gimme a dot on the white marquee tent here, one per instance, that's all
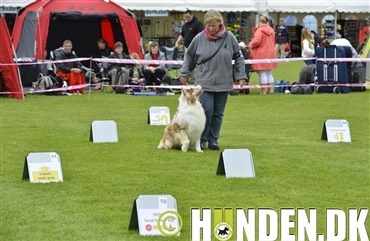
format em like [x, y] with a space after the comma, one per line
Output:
[288, 6]
[315, 6]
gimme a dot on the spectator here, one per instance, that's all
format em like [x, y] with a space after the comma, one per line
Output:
[344, 42]
[154, 72]
[136, 73]
[363, 31]
[262, 46]
[307, 45]
[281, 38]
[104, 51]
[349, 51]
[72, 72]
[189, 30]
[119, 72]
[212, 52]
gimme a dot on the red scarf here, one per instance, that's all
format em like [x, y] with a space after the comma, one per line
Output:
[154, 57]
[221, 33]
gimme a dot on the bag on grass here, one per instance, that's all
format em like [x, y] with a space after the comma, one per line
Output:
[281, 86]
[43, 83]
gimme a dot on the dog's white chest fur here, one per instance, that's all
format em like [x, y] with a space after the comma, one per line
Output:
[187, 125]
[193, 117]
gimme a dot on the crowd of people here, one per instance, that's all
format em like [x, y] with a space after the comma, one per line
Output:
[267, 43]
[212, 54]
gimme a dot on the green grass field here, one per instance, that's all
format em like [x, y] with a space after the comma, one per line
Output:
[294, 167]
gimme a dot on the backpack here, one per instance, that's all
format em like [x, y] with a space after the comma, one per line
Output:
[43, 83]
[281, 86]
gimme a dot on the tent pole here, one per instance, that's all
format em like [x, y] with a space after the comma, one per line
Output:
[335, 24]
[18, 72]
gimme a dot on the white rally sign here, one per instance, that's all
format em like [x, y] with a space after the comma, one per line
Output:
[159, 115]
[43, 167]
[336, 131]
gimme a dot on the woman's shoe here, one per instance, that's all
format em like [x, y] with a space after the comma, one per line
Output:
[202, 146]
[213, 146]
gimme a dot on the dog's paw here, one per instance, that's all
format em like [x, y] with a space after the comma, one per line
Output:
[198, 150]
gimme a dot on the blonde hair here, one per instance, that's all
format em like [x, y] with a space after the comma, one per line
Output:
[305, 34]
[263, 19]
[137, 57]
[213, 14]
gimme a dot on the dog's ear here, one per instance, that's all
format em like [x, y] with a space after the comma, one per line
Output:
[199, 93]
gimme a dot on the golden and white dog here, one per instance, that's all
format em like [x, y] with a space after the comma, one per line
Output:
[188, 123]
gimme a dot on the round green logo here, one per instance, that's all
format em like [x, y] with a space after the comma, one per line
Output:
[223, 231]
[167, 224]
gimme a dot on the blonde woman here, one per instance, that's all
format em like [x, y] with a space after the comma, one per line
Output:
[307, 45]
[137, 76]
[262, 46]
[211, 52]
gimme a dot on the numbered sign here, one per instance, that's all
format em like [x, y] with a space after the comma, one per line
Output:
[159, 115]
[236, 163]
[43, 167]
[336, 131]
[156, 215]
[102, 131]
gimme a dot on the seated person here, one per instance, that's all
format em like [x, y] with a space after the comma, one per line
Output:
[350, 51]
[100, 68]
[119, 72]
[104, 51]
[344, 42]
[136, 74]
[154, 73]
[70, 71]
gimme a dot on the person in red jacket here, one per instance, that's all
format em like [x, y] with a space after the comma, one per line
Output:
[364, 29]
[262, 46]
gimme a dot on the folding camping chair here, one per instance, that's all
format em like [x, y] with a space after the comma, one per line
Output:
[89, 73]
[172, 54]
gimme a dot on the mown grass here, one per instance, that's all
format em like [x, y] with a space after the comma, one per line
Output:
[294, 167]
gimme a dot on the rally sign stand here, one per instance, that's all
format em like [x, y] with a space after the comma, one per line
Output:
[155, 215]
[42, 167]
[159, 115]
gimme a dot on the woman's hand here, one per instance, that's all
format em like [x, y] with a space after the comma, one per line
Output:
[241, 82]
[184, 80]
[76, 70]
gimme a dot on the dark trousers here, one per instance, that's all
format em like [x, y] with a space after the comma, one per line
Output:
[154, 78]
[310, 61]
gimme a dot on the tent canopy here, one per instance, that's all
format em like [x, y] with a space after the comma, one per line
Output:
[315, 6]
[288, 6]
[194, 5]
[9, 72]
[45, 24]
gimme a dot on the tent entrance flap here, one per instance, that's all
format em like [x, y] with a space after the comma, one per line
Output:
[27, 47]
[83, 31]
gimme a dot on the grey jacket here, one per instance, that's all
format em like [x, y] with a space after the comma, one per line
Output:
[162, 56]
[218, 73]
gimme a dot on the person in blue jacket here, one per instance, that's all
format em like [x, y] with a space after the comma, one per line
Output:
[281, 38]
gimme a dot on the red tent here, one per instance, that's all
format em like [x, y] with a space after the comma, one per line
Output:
[9, 72]
[45, 24]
